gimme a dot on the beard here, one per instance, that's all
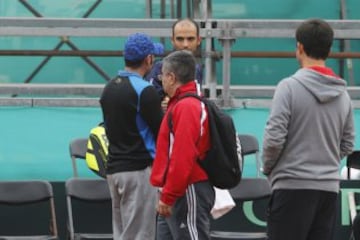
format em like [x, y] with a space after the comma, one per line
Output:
[150, 65]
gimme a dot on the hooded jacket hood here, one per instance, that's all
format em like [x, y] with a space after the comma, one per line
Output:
[323, 87]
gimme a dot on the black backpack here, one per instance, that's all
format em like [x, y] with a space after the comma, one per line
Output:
[223, 162]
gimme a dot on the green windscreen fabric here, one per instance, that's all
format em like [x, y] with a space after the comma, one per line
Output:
[34, 142]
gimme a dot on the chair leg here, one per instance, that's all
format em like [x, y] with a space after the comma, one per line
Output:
[348, 173]
[257, 164]
[74, 167]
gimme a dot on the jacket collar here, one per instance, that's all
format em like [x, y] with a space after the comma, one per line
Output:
[189, 87]
[186, 88]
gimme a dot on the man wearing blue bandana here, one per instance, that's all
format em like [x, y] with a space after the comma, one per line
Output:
[132, 116]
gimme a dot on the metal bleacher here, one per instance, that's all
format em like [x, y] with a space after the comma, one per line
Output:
[225, 31]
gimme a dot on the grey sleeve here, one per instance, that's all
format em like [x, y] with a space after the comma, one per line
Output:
[276, 129]
[347, 140]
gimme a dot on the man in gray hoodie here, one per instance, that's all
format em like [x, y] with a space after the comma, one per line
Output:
[309, 130]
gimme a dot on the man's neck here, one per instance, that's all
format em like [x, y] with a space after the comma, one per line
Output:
[310, 62]
[139, 71]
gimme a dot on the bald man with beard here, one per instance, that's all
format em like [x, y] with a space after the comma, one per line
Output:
[185, 36]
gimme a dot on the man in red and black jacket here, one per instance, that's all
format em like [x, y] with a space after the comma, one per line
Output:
[186, 196]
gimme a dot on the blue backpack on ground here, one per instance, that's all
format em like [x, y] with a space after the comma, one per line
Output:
[223, 162]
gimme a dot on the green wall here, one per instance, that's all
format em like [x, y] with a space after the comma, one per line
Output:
[34, 142]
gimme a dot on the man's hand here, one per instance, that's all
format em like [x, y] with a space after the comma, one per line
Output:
[163, 209]
[164, 103]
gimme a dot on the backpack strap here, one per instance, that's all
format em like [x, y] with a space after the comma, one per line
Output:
[170, 114]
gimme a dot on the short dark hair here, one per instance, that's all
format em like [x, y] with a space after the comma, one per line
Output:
[182, 63]
[316, 36]
[186, 20]
[133, 64]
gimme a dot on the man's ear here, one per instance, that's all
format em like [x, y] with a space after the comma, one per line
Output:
[198, 41]
[300, 47]
[172, 78]
[149, 59]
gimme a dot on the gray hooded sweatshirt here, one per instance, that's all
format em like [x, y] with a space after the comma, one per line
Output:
[309, 130]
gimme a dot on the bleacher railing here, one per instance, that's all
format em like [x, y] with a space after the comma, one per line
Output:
[224, 31]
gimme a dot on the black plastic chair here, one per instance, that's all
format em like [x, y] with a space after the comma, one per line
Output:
[352, 161]
[249, 189]
[250, 145]
[90, 200]
[23, 199]
[77, 150]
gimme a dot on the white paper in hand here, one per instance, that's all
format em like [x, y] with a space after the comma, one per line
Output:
[223, 203]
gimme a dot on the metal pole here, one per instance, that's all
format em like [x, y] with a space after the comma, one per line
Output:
[178, 9]
[210, 79]
[345, 44]
[226, 42]
[148, 10]
[196, 11]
